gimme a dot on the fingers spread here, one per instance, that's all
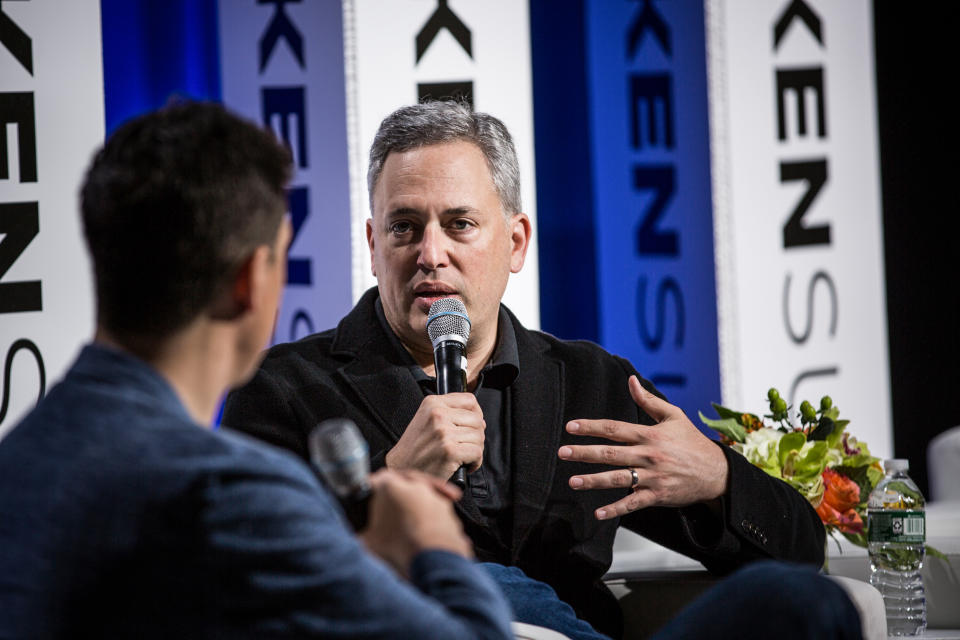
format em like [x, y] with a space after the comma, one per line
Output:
[640, 498]
[608, 429]
[656, 408]
[604, 454]
[618, 479]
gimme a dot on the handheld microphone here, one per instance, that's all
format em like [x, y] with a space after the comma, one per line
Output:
[448, 327]
[342, 456]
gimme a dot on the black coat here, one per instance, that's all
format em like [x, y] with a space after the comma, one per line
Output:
[353, 371]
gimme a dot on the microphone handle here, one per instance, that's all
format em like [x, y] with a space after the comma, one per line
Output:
[451, 378]
[357, 507]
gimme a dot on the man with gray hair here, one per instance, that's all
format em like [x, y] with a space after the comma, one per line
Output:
[563, 441]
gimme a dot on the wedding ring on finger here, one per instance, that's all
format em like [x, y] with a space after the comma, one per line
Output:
[635, 479]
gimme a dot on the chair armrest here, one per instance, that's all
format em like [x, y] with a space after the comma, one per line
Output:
[869, 604]
[524, 631]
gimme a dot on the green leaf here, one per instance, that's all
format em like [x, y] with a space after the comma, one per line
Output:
[831, 413]
[837, 434]
[860, 475]
[822, 430]
[859, 539]
[725, 412]
[859, 460]
[790, 442]
[728, 427]
[810, 463]
[936, 553]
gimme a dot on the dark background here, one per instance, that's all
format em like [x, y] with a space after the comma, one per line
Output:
[916, 54]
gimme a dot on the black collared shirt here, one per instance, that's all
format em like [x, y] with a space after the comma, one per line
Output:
[488, 499]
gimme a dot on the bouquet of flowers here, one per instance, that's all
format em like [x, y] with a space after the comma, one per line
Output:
[816, 456]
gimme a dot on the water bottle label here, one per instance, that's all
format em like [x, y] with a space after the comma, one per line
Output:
[896, 526]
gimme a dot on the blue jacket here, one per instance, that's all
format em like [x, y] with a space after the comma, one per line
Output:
[120, 517]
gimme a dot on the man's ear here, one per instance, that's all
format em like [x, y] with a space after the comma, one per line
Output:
[373, 263]
[238, 295]
[520, 234]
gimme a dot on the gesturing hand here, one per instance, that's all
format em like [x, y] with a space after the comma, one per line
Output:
[411, 512]
[675, 464]
[446, 432]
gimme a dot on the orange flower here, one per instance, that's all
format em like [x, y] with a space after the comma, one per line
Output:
[849, 521]
[840, 497]
[840, 492]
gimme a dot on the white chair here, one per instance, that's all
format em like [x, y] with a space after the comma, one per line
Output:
[943, 466]
[524, 631]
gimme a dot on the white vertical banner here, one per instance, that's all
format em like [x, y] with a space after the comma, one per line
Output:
[281, 64]
[51, 120]
[798, 223]
[401, 50]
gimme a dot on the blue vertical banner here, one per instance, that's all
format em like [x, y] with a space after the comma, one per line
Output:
[650, 152]
[155, 50]
[282, 64]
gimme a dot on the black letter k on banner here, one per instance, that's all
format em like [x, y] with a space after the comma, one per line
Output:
[16, 41]
[443, 18]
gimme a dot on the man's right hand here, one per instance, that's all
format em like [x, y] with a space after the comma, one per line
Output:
[446, 432]
[412, 512]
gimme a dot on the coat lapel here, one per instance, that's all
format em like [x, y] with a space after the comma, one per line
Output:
[376, 373]
[537, 427]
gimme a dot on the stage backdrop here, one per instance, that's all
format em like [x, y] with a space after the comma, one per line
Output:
[51, 120]
[796, 207]
[797, 295]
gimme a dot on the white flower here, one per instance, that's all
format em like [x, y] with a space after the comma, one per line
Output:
[761, 448]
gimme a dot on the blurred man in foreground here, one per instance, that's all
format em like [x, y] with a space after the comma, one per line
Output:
[565, 442]
[121, 516]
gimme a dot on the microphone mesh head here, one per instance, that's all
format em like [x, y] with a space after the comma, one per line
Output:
[448, 316]
[341, 455]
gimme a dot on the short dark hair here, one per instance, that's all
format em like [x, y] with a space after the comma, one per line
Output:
[437, 122]
[172, 205]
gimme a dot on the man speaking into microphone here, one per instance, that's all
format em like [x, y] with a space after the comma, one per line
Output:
[563, 441]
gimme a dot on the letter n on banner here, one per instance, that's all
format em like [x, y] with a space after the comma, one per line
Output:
[653, 217]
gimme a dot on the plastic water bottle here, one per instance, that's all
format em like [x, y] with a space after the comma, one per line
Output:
[896, 532]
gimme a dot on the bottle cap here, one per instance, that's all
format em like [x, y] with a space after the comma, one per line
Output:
[896, 464]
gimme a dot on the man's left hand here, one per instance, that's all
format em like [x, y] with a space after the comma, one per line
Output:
[675, 464]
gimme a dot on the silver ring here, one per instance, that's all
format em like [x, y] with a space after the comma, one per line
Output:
[636, 478]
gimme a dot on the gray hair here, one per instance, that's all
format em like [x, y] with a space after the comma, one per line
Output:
[420, 125]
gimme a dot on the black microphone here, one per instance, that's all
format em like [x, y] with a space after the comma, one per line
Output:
[448, 327]
[342, 456]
